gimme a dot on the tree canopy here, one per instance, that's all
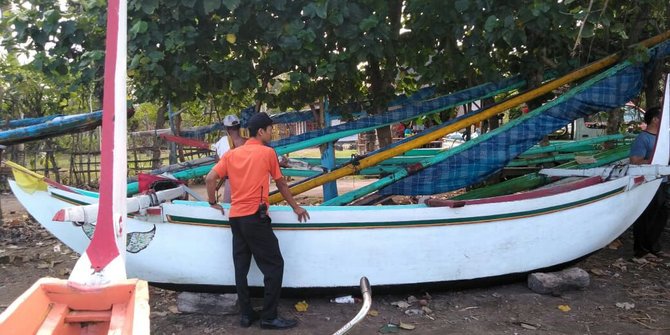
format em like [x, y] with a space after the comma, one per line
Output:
[292, 53]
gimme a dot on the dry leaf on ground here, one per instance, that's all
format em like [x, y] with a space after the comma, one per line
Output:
[301, 306]
[564, 308]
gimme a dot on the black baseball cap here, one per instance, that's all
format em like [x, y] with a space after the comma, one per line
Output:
[259, 121]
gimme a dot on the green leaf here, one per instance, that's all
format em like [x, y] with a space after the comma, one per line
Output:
[289, 42]
[211, 5]
[156, 56]
[149, 6]
[336, 19]
[368, 23]
[135, 62]
[61, 68]
[279, 4]
[52, 16]
[509, 21]
[309, 10]
[462, 5]
[188, 3]
[20, 27]
[140, 27]
[491, 23]
[41, 38]
[231, 4]
[235, 85]
[68, 27]
[587, 31]
[322, 9]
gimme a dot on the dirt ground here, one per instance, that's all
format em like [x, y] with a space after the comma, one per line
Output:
[624, 297]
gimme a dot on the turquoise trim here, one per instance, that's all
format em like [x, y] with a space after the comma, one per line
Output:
[411, 223]
[86, 193]
[274, 208]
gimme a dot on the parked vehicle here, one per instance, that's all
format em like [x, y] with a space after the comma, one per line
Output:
[596, 125]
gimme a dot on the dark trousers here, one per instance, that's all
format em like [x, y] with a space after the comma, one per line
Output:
[648, 228]
[253, 236]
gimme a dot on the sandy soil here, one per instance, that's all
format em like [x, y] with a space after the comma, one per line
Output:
[28, 252]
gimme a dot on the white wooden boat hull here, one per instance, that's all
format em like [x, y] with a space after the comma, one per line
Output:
[190, 243]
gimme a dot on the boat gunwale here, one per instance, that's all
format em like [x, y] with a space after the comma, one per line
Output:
[170, 218]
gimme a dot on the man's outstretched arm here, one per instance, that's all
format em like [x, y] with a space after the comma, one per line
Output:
[283, 188]
[210, 183]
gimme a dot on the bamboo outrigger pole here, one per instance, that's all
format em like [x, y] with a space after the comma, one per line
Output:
[420, 140]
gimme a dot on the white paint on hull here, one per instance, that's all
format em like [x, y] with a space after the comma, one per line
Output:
[201, 254]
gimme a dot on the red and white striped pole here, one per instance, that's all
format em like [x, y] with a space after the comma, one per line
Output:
[104, 259]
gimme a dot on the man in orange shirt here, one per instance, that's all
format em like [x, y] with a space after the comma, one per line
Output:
[248, 169]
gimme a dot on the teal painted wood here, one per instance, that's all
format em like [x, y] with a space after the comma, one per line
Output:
[572, 146]
[328, 158]
[552, 158]
[399, 160]
[423, 152]
[27, 122]
[55, 127]
[371, 171]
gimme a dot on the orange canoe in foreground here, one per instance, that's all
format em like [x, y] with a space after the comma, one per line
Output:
[56, 306]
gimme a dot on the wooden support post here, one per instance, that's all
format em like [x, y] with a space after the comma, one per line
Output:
[173, 146]
[328, 157]
[88, 158]
[2, 148]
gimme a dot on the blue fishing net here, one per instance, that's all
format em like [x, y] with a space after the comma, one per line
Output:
[491, 154]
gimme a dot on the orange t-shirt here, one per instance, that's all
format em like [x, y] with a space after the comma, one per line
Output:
[247, 168]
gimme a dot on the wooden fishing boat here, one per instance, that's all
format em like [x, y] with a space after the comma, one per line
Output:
[8, 124]
[57, 126]
[186, 242]
[97, 298]
[51, 306]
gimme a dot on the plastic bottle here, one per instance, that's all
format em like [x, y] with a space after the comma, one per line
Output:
[348, 299]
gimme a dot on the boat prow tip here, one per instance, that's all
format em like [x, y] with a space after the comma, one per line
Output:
[59, 216]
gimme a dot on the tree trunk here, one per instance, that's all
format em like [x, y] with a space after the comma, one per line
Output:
[615, 118]
[177, 126]
[160, 123]
[652, 88]
[379, 90]
[384, 136]
[494, 122]
[614, 121]
[51, 156]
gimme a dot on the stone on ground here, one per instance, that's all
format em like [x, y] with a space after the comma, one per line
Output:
[556, 283]
[207, 303]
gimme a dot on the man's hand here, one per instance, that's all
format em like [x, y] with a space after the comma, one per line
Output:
[282, 186]
[283, 161]
[219, 207]
[303, 216]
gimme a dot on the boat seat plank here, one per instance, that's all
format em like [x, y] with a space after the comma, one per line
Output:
[518, 196]
[81, 298]
[117, 324]
[53, 323]
[88, 316]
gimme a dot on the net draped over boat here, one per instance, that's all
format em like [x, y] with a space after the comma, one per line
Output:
[486, 155]
[351, 108]
[403, 113]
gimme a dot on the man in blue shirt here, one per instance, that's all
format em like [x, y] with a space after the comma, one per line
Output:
[648, 228]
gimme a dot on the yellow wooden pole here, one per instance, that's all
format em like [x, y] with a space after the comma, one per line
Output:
[484, 115]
